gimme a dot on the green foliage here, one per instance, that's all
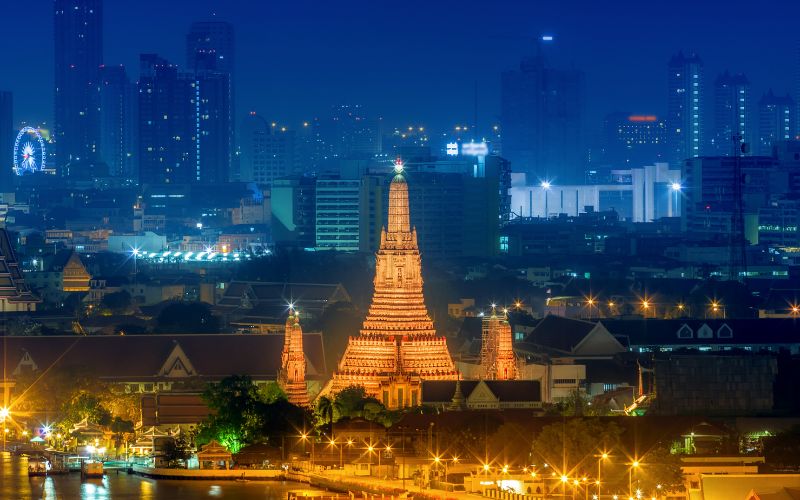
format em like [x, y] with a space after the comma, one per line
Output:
[187, 317]
[659, 467]
[117, 302]
[85, 405]
[243, 414]
[569, 443]
[176, 452]
[782, 451]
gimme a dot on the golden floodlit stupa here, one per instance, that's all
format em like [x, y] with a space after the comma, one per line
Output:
[398, 347]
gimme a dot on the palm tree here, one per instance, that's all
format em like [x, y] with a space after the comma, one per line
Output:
[324, 412]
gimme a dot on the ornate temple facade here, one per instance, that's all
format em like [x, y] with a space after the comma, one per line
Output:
[292, 376]
[397, 347]
[498, 361]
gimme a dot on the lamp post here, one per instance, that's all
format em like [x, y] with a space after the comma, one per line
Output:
[601, 457]
[634, 465]
[545, 188]
[675, 187]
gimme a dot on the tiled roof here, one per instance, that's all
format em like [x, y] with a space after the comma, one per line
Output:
[651, 332]
[508, 391]
[562, 334]
[141, 357]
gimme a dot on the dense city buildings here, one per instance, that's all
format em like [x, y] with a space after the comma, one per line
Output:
[734, 113]
[542, 114]
[686, 107]
[78, 56]
[117, 122]
[776, 121]
[633, 140]
[7, 134]
[268, 152]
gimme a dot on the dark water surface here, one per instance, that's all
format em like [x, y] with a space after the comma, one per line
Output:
[15, 484]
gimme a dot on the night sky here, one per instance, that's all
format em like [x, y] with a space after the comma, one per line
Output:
[417, 61]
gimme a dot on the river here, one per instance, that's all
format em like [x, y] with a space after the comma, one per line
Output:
[15, 484]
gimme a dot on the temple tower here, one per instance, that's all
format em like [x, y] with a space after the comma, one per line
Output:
[292, 377]
[498, 360]
[397, 347]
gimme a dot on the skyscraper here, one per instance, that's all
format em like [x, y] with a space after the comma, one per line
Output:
[542, 119]
[167, 125]
[78, 56]
[268, 151]
[210, 56]
[633, 140]
[350, 132]
[6, 141]
[398, 347]
[213, 131]
[776, 121]
[117, 124]
[733, 112]
[685, 107]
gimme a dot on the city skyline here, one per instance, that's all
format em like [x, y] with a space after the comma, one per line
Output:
[376, 54]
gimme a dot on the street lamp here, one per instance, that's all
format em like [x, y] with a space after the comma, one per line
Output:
[676, 188]
[603, 456]
[634, 465]
[590, 302]
[545, 187]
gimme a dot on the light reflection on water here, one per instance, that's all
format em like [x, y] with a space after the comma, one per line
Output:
[15, 484]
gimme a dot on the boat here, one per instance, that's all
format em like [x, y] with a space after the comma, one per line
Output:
[38, 466]
[74, 462]
[91, 469]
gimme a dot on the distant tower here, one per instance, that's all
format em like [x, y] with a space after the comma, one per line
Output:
[78, 35]
[685, 108]
[776, 121]
[292, 377]
[733, 111]
[497, 357]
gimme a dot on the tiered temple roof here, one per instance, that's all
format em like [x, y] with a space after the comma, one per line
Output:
[292, 377]
[397, 346]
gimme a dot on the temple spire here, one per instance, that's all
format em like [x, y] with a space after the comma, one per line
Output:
[292, 377]
[399, 221]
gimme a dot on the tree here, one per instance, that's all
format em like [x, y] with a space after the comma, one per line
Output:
[323, 411]
[176, 452]
[782, 451]
[117, 302]
[660, 470]
[85, 406]
[243, 414]
[573, 443]
[187, 317]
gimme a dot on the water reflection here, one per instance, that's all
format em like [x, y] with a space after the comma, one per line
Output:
[15, 484]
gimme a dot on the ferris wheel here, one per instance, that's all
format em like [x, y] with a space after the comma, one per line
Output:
[29, 152]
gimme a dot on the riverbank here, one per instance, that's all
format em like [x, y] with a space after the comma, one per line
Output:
[208, 474]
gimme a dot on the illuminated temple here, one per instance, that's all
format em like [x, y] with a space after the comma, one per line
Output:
[398, 347]
[498, 361]
[292, 376]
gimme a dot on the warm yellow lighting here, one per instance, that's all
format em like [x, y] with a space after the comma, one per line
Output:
[486, 467]
[349, 442]
[505, 469]
[604, 456]
[564, 479]
[635, 464]
[436, 459]
[455, 460]
[4, 413]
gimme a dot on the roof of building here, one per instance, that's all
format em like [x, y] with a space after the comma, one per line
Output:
[442, 391]
[650, 332]
[248, 294]
[152, 357]
[557, 332]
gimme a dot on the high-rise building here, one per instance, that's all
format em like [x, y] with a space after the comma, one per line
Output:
[542, 112]
[633, 140]
[213, 132]
[6, 141]
[733, 112]
[776, 121]
[167, 125]
[78, 56]
[685, 107]
[337, 214]
[292, 376]
[117, 121]
[294, 208]
[210, 55]
[398, 347]
[268, 152]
